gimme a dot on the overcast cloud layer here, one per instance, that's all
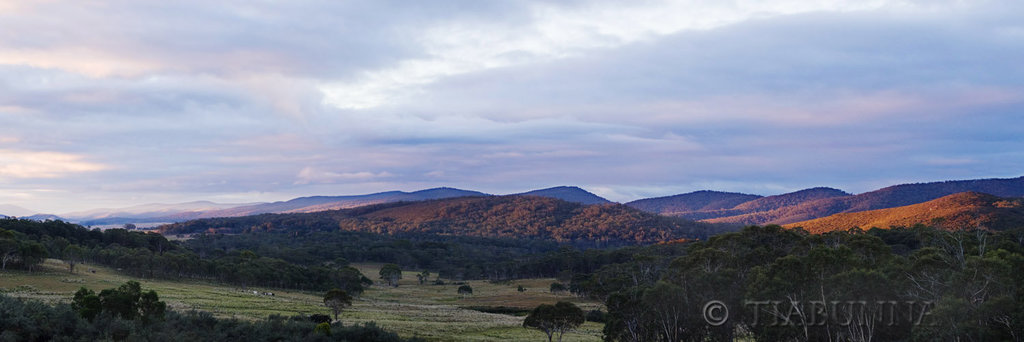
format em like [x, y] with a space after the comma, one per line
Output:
[115, 103]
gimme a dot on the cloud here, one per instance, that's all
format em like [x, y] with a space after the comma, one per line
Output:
[310, 175]
[34, 164]
[552, 32]
[186, 101]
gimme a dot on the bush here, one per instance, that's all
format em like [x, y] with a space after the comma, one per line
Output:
[596, 316]
[319, 318]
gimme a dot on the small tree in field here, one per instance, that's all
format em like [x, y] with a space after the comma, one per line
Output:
[391, 273]
[423, 277]
[465, 290]
[558, 288]
[72, 256]
[555, 319]
[337, 300]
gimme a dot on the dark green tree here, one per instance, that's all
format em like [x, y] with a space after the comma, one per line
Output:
[391, 273]
[9, 246]
[86, 303]
[555, 319]
[150, 307]
[122, 301]
[558, 288]
[465, 290]
[32, 254]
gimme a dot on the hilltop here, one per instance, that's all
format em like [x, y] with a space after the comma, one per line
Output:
[569, 194]
[710, 205]
[954, 212]
[691, 203]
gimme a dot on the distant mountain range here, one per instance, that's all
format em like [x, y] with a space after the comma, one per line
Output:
[815, 203]
[321, 203]
[512, 216]
[707, 206]
[166, 213]
[965, 210]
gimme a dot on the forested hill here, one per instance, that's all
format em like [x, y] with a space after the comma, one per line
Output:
[966, 210]
[698, 201]
[498, 216]
[890, 197]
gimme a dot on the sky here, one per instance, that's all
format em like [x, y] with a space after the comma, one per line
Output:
[118, 103]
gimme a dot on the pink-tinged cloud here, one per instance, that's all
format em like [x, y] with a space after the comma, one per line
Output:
[15, 164]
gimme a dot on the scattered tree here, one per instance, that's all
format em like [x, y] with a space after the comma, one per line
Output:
[73, 254]
[555, 319]
[465, 290]
[391, 273]
[423, 276]
[337, 300]
[558, 288]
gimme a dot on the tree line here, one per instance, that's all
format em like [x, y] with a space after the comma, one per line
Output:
[452, 257]
[26, 243]
[307, 260]
[774, 284]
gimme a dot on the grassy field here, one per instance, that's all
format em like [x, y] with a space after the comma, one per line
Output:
[435, 312]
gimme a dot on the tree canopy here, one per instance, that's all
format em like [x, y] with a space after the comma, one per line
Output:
[555, 320]
[337, 300]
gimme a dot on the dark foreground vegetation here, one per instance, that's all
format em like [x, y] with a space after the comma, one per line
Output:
[775, 284]
[30, 320]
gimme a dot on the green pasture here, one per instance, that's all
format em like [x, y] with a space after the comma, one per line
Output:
[434, 312]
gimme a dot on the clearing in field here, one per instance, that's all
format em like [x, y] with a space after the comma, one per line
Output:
[434, 312]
